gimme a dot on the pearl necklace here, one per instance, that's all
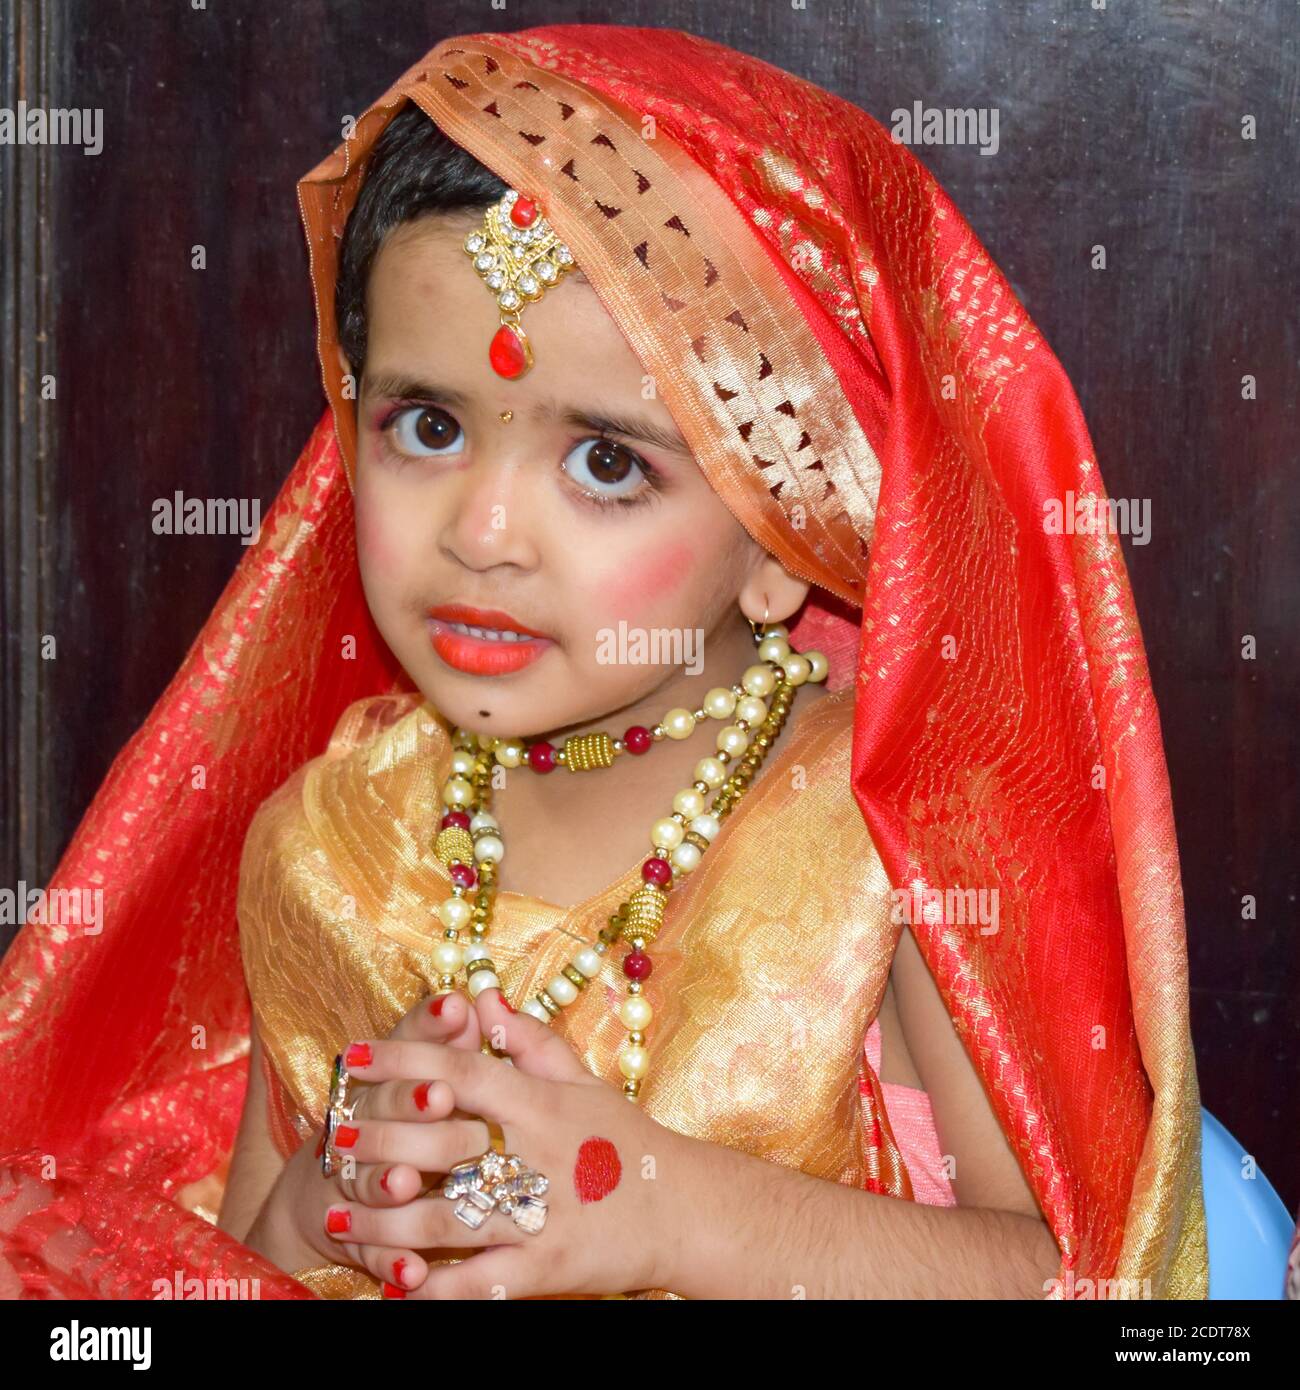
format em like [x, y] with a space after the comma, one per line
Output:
[469, 839]
[585, 752]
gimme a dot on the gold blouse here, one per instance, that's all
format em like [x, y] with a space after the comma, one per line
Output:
[771, 964]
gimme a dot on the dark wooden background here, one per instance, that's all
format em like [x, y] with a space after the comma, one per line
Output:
[1119, 126]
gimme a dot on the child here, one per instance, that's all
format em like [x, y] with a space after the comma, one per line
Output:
[749, 389]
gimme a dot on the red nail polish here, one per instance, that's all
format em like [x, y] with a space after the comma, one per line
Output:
[436, 1007]
[338, 1220]
[422, 1095]
[398, 1266]
[506, 1002]
[358, 1055]
[383, 1180]
[392, 1291]
[346, 1136]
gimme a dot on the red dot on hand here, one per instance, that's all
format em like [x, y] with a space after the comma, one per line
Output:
[597, 1170]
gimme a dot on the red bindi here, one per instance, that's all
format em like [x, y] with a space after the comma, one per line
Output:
[597, 1170]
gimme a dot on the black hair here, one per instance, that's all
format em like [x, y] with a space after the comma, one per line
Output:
[414, 170]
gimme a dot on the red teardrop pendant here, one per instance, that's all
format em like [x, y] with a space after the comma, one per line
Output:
[510, 354]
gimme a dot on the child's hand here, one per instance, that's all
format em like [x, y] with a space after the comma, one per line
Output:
[303, 1196]
[609, 1228]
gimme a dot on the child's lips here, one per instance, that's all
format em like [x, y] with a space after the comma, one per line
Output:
[483, 655]
[490, 623]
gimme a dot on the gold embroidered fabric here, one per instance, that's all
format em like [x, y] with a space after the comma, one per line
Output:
[771, 966]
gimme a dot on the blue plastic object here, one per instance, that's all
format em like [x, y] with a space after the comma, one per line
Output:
[1248, 1229]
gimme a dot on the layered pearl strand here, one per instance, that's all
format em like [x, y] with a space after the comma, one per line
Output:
[469, 837]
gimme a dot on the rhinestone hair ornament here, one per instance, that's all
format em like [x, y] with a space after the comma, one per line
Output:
[519, 257]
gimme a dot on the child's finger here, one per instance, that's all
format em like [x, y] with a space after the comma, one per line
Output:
[405, 1100]
[386, 1184]
[445, 1018]
[398, 1269]
[530, 1043]
[429, 1148]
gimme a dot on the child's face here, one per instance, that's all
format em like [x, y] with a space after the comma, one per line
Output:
[537, 518]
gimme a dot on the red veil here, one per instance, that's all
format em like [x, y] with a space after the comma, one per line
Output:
[861, 386]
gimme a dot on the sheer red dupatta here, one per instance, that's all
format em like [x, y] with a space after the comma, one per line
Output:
[124, 1056]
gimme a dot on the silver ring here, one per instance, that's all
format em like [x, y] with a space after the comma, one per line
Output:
[337, 1111]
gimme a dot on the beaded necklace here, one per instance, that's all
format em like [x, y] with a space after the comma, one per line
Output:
[470, 844]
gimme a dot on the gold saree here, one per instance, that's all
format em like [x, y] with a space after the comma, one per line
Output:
[765, 979]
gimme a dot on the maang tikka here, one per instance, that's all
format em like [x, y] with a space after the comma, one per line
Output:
[519, 256]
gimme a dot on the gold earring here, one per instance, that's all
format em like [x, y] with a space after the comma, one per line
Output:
[758, 629]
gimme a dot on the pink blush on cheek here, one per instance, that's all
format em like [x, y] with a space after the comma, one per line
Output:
[374, 548]
[645, 580]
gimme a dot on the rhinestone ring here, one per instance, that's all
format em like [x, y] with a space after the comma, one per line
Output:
[496, 1181]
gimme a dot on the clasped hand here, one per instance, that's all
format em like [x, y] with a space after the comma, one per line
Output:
[423, 1096]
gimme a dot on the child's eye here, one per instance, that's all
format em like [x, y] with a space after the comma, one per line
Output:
[608, 471]
[423, 431]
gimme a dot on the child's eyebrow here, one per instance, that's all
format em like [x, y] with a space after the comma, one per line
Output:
[398, 387]
[633, 426]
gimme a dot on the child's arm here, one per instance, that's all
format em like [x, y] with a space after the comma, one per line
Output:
[255, 1163]
[790, 1231]
[986, 1173]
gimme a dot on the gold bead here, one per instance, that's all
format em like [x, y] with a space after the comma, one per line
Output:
[645, 913]
[482, 963]
[574, 976]
[585, 752]
[631, 1089]
[548, 1004]
[454, 843]
[636, 1037]
[695, 838]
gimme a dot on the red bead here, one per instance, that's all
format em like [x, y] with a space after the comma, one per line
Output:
[524, 212]
[637, 965]
[638, 739]
[656, 870]
[463, 876]
[509, 353]
[456, 818]
[541, 757]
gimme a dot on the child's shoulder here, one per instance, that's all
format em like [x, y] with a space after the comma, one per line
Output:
[826, 730]
[366, 719]
[356, 732]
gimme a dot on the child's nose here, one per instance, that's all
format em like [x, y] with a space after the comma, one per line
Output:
[489, 523]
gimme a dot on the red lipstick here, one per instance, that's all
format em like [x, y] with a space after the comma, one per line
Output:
[483, 655]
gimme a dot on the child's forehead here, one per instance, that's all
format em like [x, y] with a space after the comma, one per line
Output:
[430, 314]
